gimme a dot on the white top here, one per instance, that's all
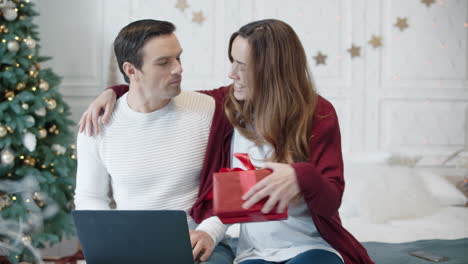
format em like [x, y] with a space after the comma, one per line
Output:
[275, 240]
[153, 160]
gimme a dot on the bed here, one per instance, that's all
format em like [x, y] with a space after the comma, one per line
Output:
[393, 210]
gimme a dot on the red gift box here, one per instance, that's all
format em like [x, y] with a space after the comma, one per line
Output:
[228, 187]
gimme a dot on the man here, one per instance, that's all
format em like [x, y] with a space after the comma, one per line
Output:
[149, 151]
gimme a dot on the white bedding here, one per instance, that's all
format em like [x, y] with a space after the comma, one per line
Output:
[399, 204]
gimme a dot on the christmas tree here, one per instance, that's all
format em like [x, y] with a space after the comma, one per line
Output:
[37, 165]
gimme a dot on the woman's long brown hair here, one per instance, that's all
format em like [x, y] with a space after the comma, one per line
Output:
[282, 100]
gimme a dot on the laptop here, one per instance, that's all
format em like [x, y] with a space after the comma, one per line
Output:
[116, 236]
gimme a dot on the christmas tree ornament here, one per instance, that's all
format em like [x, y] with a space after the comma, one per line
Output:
[9, 129]
[26, 240]
[40, 112]
[43, 85]
[25, 106]
[3, 29]
[59, 149]
[33, 73]
[9, 95]
[52, 128]
[4, 201]
[30, 42]
[20, 86]
[37, 66]
[51, 103]
[7, 157]
[3, 131]
[7, 4]
[10, 14]
[30, 161]
[42, 133]
[13, 46]
[29, 120]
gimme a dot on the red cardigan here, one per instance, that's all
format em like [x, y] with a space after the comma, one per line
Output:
[320, 178]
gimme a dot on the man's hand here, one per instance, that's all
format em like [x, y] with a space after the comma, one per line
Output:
[281, 186]
[202, 243]
[105, 102]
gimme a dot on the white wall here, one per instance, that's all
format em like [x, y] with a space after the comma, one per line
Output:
[409, 96]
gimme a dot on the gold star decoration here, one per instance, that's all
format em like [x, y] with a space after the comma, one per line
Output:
[428, 3]
[376, 41]
[182, 5]
[198, 17]
[402, 23]
[355, 51]
[320, 58]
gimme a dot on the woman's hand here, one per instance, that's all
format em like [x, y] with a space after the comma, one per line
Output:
[281, 186]
[103, 104]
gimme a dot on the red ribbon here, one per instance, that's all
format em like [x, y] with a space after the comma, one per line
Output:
[247, 179]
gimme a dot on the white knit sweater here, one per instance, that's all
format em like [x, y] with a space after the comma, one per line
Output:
[153, 160]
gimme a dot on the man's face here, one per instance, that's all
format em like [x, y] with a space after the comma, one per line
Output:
[161, 72]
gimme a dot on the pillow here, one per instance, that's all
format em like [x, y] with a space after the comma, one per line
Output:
[444, 191]
[381, 193]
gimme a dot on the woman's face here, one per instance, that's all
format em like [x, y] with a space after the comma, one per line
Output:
[241, 72]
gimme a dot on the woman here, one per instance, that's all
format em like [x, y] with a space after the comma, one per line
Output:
[283, 124]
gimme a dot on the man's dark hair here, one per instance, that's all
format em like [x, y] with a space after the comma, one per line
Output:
[128, 45]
